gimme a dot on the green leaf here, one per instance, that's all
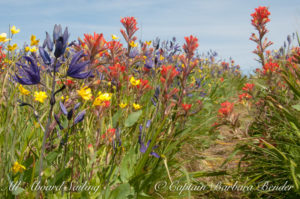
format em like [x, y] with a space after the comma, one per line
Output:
[121, 191]
[116, 117]
[132, 118]
[18, 191]
[297, 107]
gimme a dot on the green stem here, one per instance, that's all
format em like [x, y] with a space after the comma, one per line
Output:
[47, 126]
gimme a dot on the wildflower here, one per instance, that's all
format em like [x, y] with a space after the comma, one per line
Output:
[23, 90]
[3, 37]
[222, 79]
[48, 42]
[85, 93]
[129, 24]
[94, 46]
[60, 40]
[134, 82]
[79, 117]
[17, 167]
[270, 67]
[34, 41]
[76, 68]
[248, 87]
[27, 49]
[14, 30]
[226, 109]
[114, 37]
[143, 84]
[40, 96]
[190, 46]
[261, 16]
[29, 75]
[102, 99]
[144, 148]
[33, 49]
[186, 107]
[133, 52]
[122, 105]
[244, 96]
[109, 133]
[148, 43]
[12, 47]
[136, 106]
[168, 72]
[161, 58]
[149, 63]
[116, 69]
[133, 44]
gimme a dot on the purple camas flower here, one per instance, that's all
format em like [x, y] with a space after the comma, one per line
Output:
[48, 43]
[144, 148]
[28, 74]
[60, 40]
[76, 68]
[79, 117]
[133, 52]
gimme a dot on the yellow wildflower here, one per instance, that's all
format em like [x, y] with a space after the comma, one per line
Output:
[3, 37]
[14, 30]
[85, 93]
[33, 49]
[134, 82]
[40, 96]
[34, 41]
[62, 98]
[23, 90]
[17, 167]
[12, 47]
[136, 106]
[133, 44]
[36, 124]
[122, 105]
[148, 43]
[101, 98]
[193, 80]
[114, 37]
[161, 58]
[27, 49]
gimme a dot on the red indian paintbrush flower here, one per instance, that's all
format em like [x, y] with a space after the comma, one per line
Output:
[244, 96]
[116, 69]
[190, 46]
[261, 16]
[248, 87]
[186, 107]
[93, 45]
[226, 109]
[110, 134]
[168, 72]
[129, 24]
[270, 67]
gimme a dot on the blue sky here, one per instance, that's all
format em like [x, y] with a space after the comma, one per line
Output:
[219, 25]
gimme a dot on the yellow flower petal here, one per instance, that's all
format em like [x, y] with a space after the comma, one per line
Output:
[40, 96]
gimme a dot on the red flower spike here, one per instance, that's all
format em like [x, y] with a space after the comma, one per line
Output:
[248, 87]
[129, 24]
[190, 46]
[186, 107]
[93, 46]
[116, 69]
[244, 96]
[226, 109]
[270, 67]
[169, 73]
[261, 16]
